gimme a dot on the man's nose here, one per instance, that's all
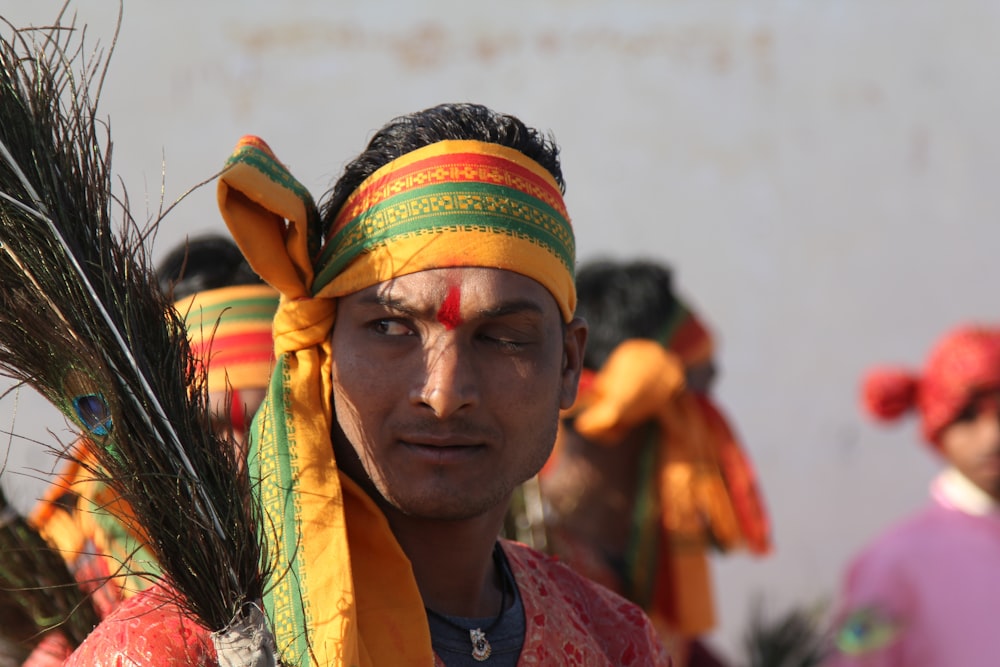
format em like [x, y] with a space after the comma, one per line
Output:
[449, 379]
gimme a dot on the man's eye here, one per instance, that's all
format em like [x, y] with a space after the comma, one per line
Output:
[504, 343]
[509, 345]
[391, 328]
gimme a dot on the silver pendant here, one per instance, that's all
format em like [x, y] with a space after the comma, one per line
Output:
[481, 649]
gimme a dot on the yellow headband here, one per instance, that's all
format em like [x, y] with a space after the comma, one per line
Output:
[453, 203]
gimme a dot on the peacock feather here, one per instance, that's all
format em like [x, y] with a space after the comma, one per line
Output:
[83, 322]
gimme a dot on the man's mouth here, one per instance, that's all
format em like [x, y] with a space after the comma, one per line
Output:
[443, 452]
[427, 440]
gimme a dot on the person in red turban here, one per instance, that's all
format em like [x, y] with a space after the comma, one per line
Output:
[927, 590]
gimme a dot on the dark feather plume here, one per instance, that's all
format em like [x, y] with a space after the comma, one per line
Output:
[37, 592]
[796, 638]
[83, 322]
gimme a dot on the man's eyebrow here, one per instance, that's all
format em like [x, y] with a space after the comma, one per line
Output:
[513, 307]
[386, 301]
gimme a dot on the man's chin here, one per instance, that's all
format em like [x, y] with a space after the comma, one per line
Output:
[452, 506]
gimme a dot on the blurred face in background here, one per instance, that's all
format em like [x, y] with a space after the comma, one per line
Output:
[971, 443]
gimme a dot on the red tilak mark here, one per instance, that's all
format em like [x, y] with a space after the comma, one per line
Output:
[448, 314]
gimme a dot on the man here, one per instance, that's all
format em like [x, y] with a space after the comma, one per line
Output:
[926, 592]
[647, 476]
[425, 344]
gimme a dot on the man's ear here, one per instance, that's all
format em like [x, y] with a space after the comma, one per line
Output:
[574, 344]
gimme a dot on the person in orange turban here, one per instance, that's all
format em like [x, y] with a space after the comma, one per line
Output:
[647, 477]
[229, 312]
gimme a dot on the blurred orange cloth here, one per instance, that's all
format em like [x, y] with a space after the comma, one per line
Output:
[703, 492]
[82, 518]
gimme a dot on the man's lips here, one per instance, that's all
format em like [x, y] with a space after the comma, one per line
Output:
[441, 449]
[439, 441]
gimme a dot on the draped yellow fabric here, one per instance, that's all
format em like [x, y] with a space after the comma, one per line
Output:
[343, 591]
[643, 382]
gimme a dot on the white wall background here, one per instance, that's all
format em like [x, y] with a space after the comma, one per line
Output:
[821, 174]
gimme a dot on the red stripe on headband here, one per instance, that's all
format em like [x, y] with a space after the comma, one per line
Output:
[250, 340]
[226, 358]
[256, 142]
[447, 168]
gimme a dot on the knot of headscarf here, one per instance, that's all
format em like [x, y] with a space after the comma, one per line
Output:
[639, 382]
[345, 593]
[269, 213]
[302, 323]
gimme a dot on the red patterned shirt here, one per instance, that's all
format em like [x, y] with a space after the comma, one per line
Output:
[570, 622]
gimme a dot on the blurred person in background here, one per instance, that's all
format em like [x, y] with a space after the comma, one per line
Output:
[926, 592]
[229, 312]
[647, 477]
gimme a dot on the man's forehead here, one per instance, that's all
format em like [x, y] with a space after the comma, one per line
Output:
[476, 287]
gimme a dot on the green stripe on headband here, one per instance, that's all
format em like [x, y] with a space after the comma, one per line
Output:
[435, 209]
[238, 310]
[270, 167]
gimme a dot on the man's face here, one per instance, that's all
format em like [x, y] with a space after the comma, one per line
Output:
[447, 383]
[972, 443]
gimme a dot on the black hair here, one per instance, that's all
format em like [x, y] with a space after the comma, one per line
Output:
[622, 300]
[407, 133]
[203, 263]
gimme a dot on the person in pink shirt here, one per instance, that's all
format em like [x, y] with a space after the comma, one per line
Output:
[927, 591]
